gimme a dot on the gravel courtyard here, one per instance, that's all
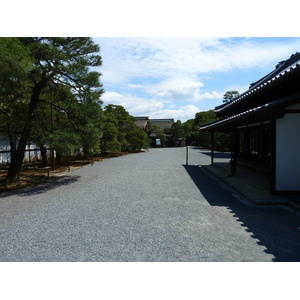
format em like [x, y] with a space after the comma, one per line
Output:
[145, 207]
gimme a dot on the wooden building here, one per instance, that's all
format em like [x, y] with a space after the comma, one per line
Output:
[142, 122]
[264, 123]
[162, 123]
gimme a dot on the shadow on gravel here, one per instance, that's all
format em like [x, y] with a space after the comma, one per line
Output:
[216, 154]
[50, 184]
[273, 227]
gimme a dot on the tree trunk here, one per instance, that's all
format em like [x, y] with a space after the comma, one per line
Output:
[12, 143]
[43, 149]
[59, 155]
[17, 157]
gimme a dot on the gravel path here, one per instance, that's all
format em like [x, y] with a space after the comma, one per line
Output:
[143, 207]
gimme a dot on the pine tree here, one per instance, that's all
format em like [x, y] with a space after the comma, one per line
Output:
[61, 64]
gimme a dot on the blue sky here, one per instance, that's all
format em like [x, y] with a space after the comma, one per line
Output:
[178, 77]
[170, 59]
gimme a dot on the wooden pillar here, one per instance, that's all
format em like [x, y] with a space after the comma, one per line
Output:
[212, 147]
[273, 156]
[260, 144]
[234, 152]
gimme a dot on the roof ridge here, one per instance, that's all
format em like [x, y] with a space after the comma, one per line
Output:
[282, 68]
[282, 65]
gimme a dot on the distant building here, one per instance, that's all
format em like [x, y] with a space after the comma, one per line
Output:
[142, 122]
[162, 123]
[264, 123]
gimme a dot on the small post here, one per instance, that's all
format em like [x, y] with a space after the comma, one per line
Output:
[53, 159]
[52, 120]
[187, 155]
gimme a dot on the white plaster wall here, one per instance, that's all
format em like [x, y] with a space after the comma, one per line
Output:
[5, 157]
[288, 152]
[4, 145]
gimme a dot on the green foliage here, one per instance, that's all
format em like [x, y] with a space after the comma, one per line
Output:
[228, 96]
[204, 117]
[137, 138]
[159, 134]
[122, 121]
[162, 137]
[109, 140]
[222, 141]
[190, 131]
[66, 124]
[15, 63]
[38, 75]
[176, 134]
[203, 138]
[120, 133]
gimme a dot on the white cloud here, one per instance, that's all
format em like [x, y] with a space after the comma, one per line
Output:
[134, 105]
[164, 77]
[136, 86]
[240, 88]
[182, 89]
[183, 113]
[177, 89]
[138, 106]
[211, 95]
[126, 59]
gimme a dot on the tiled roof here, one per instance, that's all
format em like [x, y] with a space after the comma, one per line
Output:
[284, 69]
[142, 118]
[162, 120]
[246, 106]
[249, 113]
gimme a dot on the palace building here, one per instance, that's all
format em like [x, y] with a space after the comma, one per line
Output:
[264, 124]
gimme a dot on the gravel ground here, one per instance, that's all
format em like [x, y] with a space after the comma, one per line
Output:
[143, 207]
